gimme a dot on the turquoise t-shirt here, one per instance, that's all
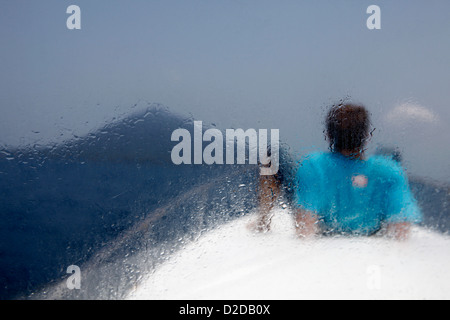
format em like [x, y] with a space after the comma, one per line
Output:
[355, 196]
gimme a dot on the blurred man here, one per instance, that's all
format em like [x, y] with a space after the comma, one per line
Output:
[342, 191]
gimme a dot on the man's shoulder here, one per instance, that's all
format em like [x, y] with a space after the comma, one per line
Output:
[314, 162]
[385, 166]
[316, 156]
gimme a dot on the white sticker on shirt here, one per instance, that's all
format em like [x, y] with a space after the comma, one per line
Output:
[359, 181]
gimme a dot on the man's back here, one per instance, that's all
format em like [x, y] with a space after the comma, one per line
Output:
[352, 195]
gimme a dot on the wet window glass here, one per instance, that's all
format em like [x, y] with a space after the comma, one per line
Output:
[253, 150]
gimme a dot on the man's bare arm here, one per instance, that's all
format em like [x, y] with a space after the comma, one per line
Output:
[269, 191]
[399, 231]
[306, 223]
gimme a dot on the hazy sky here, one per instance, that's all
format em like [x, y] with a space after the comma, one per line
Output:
[248, 64]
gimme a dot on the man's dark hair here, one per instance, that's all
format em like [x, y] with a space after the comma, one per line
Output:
[347, 127]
